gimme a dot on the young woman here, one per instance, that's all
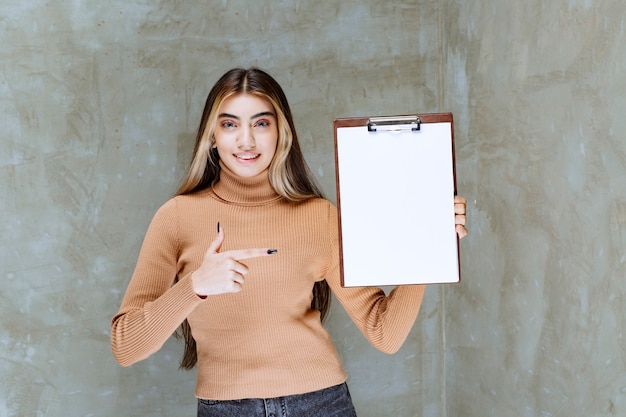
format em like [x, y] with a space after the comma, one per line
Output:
[244, 257]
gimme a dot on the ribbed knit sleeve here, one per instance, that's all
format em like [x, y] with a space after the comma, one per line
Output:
[385, 320]
[153, 308]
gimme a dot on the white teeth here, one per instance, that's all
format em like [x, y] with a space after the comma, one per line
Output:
[247, 157]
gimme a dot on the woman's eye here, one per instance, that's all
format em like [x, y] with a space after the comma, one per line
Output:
[228, 125]
[262, 123]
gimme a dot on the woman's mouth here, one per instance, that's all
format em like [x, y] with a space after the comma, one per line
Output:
[247, 156]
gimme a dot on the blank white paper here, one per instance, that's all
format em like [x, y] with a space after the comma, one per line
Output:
[396, 204]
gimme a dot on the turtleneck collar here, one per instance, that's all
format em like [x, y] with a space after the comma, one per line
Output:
[247, 191]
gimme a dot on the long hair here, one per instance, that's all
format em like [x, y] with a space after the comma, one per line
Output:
[289, 174]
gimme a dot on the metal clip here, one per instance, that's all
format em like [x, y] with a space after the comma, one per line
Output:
[392, 123]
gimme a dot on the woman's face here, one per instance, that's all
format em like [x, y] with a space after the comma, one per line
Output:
[246, 134]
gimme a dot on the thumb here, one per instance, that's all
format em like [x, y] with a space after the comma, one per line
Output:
[216, 245]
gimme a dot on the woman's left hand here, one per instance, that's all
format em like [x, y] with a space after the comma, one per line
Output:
[459, 216]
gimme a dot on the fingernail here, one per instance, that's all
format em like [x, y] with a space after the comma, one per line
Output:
[272, 251]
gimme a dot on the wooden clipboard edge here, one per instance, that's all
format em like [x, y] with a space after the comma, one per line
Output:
[362, 121]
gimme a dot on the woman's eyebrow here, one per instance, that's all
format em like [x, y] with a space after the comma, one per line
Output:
[228, 115]
[232, 116]
[264, 113]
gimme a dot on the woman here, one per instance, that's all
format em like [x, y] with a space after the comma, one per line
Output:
[244, 257]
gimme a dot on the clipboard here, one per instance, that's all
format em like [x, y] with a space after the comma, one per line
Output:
[396, 181]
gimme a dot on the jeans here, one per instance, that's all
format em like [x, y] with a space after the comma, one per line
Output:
[329, 402]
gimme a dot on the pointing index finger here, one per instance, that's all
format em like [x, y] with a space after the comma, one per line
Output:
[240, 254]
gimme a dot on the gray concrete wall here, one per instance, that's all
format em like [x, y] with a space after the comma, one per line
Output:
[537, 327]
[99, 102]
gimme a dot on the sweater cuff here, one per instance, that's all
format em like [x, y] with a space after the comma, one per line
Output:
[187, 289]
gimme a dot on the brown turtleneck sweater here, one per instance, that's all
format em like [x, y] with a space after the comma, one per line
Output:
[264, 341]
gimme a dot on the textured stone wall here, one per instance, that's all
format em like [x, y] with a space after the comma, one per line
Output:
[537, 327]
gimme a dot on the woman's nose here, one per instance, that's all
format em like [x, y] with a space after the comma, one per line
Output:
[246, 139]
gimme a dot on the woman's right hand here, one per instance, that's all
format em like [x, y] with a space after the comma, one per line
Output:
[221, 272]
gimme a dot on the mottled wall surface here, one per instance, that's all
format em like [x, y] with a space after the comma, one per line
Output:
[99, 102]
[537, 327]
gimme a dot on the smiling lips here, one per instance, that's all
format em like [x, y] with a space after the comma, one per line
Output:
[248, 156]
